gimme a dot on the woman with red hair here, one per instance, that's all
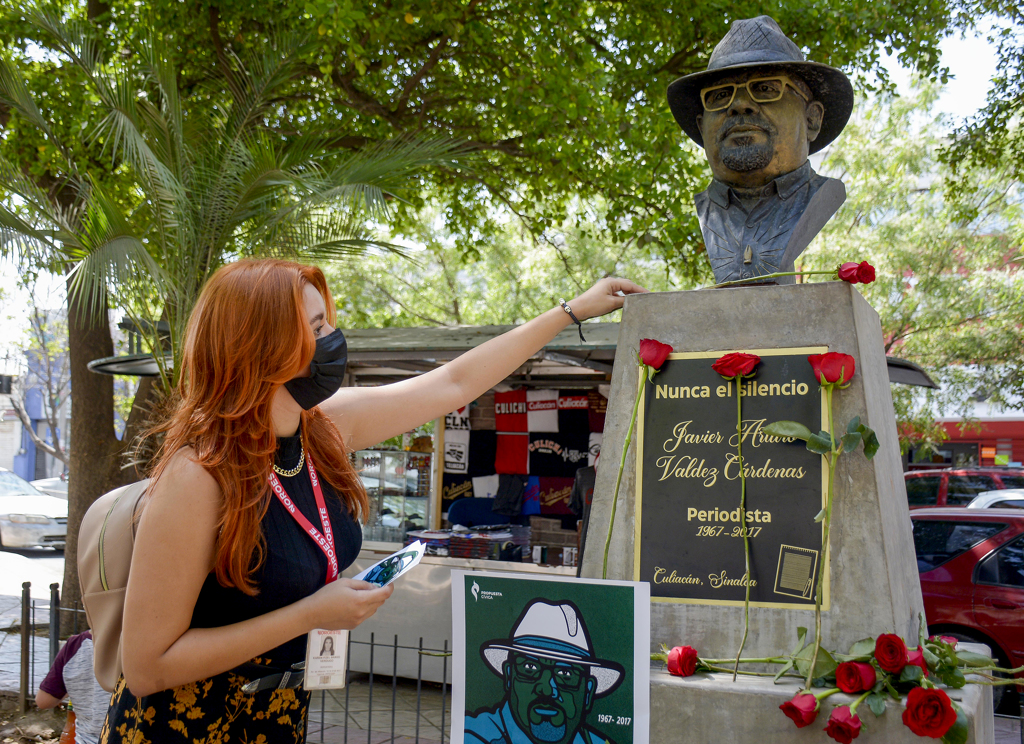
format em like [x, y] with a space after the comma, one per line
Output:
[253, 508]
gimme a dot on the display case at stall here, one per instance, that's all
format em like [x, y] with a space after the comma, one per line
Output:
[398, 485]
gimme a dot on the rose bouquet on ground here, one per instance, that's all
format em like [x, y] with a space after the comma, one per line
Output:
[875, 670]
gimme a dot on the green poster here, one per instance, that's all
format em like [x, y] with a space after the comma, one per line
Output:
[549, 660]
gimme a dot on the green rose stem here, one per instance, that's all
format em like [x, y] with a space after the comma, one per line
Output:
[856, 703]
[644, 376]
[777, 274]
[743, 520]
[663, 656]
[833, 458]
[734, 672]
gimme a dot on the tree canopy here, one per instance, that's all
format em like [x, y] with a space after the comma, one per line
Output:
[565, 100]
[950, 262]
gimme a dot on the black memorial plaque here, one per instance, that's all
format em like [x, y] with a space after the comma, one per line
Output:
[689, 538]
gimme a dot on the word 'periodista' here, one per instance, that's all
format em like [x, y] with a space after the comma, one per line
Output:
[724, 515]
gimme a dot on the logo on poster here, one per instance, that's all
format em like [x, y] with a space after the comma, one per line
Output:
[479, 594]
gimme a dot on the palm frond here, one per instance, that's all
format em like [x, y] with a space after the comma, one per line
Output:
[76, 39]
[14, 93]
[365, 179]
[111, 257]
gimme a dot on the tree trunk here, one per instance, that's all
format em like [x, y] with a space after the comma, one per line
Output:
[94, 462]
[97, 458]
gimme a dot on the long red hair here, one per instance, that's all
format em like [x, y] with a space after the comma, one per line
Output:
[247, 336]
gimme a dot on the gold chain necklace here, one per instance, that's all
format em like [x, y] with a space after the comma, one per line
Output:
[294, 471]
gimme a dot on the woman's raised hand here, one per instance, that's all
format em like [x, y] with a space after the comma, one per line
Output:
[603, 297]
[345, 603]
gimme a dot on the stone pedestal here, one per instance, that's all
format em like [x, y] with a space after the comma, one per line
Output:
[874, 580]
[713, 708]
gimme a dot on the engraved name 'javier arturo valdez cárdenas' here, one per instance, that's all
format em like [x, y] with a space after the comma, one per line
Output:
[674, 465]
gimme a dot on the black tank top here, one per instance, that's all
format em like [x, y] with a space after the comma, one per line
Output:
[294, 566]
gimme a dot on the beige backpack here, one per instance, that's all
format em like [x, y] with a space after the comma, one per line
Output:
[105, 543]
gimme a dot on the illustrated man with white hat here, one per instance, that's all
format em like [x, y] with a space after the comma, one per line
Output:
[759, 110]
[552, 678]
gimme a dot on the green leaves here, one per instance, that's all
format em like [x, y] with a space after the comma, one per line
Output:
[823, 666]
[960, 730]
[951, 676]
[971, 659]
[821, 443]
[911, 673]
[850, 441]
[801, 641]
[876, 702]
[862, 650]
[790, 429]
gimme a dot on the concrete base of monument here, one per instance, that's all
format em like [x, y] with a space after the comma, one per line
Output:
[873, 579]
[712, 708]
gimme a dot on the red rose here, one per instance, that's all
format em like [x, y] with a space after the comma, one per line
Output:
[945, 639]
[856, 273]
[855, 676]
[916, 657]
[736, 364]
[654, 353]
[832, 367]
[802, 709]
[682, 661]
[843, 726]
[891, 653]
[929, 712]
[848, 272]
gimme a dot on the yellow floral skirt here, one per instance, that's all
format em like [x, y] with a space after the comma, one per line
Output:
[210, 711]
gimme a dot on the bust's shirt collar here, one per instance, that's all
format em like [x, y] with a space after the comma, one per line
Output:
[785, 185]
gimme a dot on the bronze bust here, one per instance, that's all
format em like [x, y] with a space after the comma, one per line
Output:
[758, 111]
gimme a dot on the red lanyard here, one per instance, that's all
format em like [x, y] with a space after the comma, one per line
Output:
[325, 540]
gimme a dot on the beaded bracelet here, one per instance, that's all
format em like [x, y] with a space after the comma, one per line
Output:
[579, 326]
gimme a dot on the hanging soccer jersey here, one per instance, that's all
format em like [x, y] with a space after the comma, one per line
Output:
[510, 411]
[542, 411]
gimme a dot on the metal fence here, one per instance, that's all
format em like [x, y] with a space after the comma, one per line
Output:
[32, 627]
[404, 715]
[372, 707]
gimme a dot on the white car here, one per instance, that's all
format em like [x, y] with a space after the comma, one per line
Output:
[28, 517]
[1008, 498]
[57, 486]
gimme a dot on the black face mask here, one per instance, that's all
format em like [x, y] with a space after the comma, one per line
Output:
[326, 372]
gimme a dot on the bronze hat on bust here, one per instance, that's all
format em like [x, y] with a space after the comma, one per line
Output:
[759, 42]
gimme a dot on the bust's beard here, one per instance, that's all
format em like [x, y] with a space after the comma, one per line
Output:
[746, 158]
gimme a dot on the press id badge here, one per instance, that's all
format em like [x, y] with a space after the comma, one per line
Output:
[326, 659]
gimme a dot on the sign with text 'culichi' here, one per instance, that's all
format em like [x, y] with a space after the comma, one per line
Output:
[689, 530]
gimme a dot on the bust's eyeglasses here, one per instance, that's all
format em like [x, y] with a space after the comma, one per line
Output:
[760, 90]
[566, 676]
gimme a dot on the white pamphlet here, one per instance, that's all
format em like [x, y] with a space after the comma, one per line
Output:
[384, 572]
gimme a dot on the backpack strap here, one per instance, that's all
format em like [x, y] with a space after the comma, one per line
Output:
[103, 532]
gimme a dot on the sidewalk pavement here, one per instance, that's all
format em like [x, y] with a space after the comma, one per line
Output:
[379, 728]
[1008, 731]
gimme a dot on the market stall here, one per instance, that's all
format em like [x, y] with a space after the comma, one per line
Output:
[504, 467]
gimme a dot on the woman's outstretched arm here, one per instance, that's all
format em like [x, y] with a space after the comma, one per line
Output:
[366, 416]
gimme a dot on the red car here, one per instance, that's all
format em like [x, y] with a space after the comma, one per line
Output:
[949, 487]
[972, 577]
